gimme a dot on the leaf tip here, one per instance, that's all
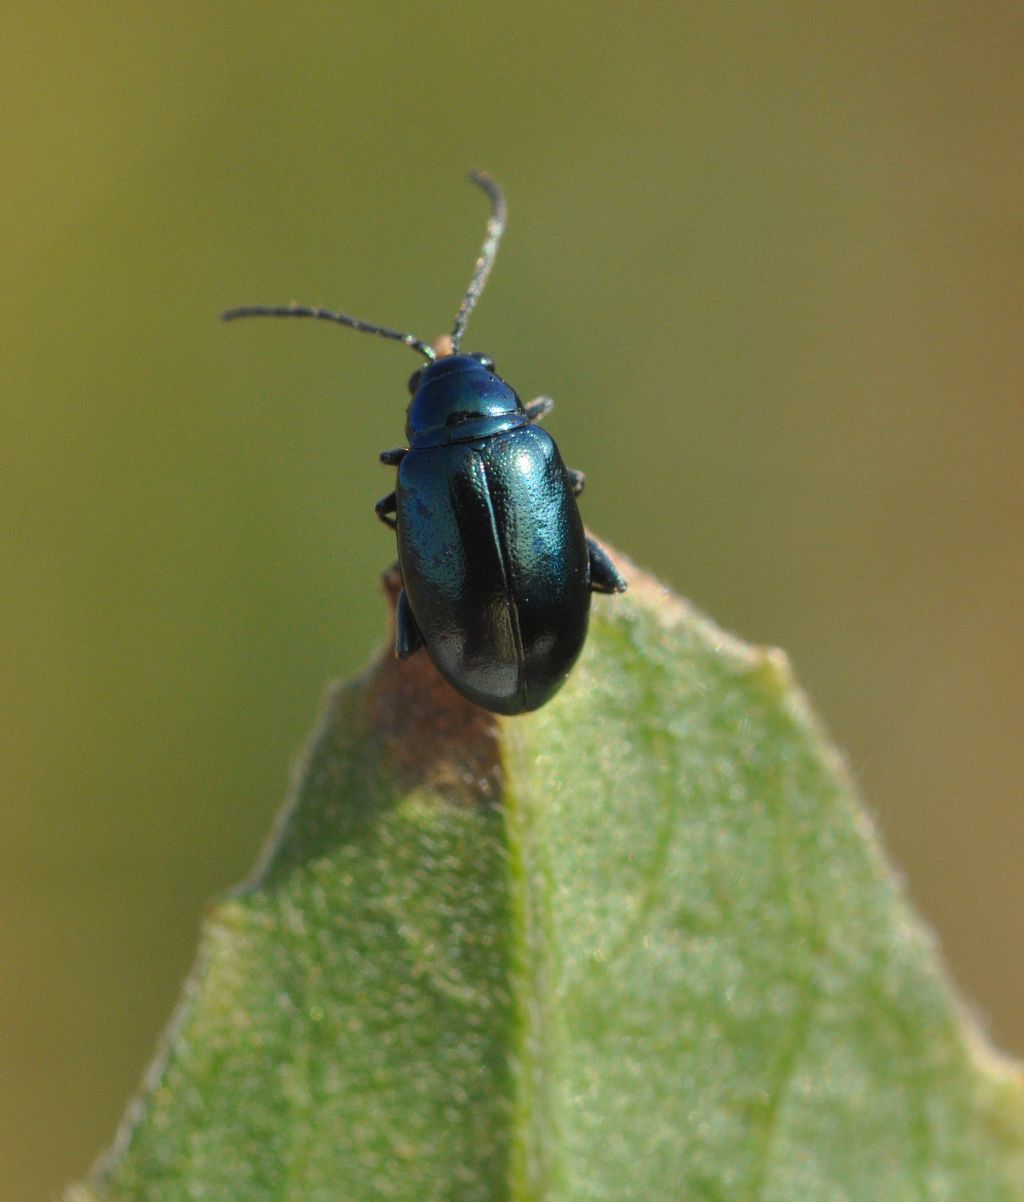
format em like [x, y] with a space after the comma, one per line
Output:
[772, 672]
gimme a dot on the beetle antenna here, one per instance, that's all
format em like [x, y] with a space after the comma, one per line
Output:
[353, 323]
[495, 228]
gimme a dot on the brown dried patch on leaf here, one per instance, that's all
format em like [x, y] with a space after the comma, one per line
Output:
[434, 737]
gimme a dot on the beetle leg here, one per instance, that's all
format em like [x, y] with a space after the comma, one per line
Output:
[395, 456]
[408, 639]
[576, 480]
[385, 507]
[604, 578]
[538, 410]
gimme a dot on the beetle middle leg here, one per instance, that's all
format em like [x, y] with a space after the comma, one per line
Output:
[538, 409]
[394, 457]
[385, 507]
[604, 576]
[408, 639]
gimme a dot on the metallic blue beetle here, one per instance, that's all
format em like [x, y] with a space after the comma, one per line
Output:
[496, 567]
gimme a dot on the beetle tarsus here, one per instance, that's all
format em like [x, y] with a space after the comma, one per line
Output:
[385, 507]
[604, 576]
[537, 410]
[407, 636]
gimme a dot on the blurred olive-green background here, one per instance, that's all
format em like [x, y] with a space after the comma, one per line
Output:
[767, 258]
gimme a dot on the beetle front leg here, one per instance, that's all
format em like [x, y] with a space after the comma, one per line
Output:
[604, 577]
[576, 480]
[408, 639]
[385, 507]
[538, 410]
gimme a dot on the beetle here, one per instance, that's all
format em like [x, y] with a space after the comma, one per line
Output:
[496, 567]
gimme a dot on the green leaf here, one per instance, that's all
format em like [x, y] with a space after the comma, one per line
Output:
[638, 945]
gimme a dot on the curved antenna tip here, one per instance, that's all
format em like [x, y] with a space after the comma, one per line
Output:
[487, 183]
[495, 229]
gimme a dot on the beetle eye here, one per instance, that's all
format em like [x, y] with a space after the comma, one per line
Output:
[483, 360]
[414, 381]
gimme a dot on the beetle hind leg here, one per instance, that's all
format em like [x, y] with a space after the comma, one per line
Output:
[408, 639]
[604, 576]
